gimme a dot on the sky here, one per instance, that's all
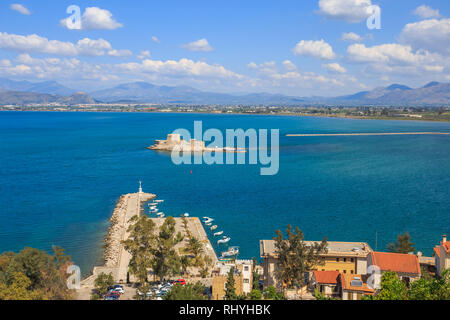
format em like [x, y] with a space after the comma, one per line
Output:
[298, 48]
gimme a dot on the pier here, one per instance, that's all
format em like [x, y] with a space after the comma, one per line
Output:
[366, 134]
[117, 258]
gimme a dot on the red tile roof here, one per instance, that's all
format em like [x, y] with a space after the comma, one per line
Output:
[437, 250]
[397, 262]
[446, 246]
[346, 283]
[330, 277]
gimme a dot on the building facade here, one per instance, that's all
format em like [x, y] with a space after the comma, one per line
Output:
[442, 256]
[243, 278]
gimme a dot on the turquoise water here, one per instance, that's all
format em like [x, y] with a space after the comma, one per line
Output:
[61, 174]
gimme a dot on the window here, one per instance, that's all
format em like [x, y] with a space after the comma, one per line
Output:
[352, 259]
[345, 271]
[345, 259]
[246, 268]
[337, 259]
[351, 271]
[246, 281]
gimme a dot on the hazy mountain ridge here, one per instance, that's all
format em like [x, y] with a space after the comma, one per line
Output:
[24, 92]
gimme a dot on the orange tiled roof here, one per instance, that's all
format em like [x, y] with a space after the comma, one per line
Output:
[346, 280]
[446, 246]
[330, 277]
[437, 250]
[397, 262]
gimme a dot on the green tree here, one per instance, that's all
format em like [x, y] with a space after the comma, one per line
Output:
[166, 261]
[230, 290]
[270, 293]
[255, 294]
[140, 245]
[185, 263]
[295, 257]
[60, 257]
[255, 275]
[103, 282]
[403, 244]
[186, 292]
[392, 288]
[431, 288]
[20, 288]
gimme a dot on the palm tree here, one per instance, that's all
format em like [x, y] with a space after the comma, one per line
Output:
[186, 262]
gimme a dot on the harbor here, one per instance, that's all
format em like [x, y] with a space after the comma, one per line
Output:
[117, 258]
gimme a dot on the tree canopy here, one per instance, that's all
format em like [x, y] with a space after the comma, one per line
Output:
[403, 244]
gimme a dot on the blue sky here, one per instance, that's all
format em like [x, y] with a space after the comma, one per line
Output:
[302, 48]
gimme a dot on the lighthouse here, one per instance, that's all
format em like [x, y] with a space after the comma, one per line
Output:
[140, 187]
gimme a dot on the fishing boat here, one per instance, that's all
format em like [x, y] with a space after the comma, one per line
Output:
[207, 220]
[231, 252]
[159, 201]
[213, 228]
[224, 240]
[218, 233]
[160, 214]
[208, 224]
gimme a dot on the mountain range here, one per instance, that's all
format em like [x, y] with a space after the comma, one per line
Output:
[25, 92]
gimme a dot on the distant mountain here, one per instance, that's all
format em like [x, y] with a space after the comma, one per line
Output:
[434, 93]
[8, 97]
[49, 87]
[146, 92]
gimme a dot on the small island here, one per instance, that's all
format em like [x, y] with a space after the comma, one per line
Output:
[174, 142]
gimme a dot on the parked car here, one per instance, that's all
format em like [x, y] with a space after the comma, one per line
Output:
[112, 296]
[180, 281]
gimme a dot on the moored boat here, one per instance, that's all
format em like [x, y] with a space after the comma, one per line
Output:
[224, 240]
[213, 228]
[232, 251]
[218, 233]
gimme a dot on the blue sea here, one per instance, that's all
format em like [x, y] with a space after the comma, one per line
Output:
[62, 173]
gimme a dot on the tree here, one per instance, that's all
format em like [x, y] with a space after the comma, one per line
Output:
[40, 268]
[20, 289]
[255, 294]
[431, 288]
[270, 293]
[230, 291]
[185, 262]
[166, 261]
[255, 275]
[392, 288]
[140, 245]
[103, 282]
[60, 257]
[295, 257]
[195, 247]
[186, 292]
[403, 244]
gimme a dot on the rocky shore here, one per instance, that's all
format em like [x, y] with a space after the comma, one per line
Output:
[115, 232]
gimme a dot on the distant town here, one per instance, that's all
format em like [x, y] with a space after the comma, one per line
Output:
[356, 112]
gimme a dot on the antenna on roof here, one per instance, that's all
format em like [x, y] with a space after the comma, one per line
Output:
[376, 240]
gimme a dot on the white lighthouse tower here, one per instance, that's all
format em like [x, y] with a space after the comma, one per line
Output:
[140, 187]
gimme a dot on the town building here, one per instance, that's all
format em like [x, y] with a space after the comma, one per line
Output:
[344, 257]
[243, 278]
[325, 282]
[442, 256]
[406, 266]
[354, 286]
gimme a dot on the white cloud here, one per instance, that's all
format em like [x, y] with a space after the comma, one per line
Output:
[156, 39]
[427, 12]
[352, 37]
[352, 11]
[199, 45]
[35, 43]
[120, 53]
[334, 68]
[144, 55]
[431, 35]
[288, 65]
[20, 8]
[95, 18]
[316, 49]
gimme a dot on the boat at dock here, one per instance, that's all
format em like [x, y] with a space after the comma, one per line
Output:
[224, 240]
[218, 233]
[207, 220]
[213, 228]
[231, 252]
[159, 201]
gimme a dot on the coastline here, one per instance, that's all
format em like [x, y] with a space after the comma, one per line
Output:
[244, 114]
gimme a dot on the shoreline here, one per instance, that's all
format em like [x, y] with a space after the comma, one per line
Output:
[243, 114]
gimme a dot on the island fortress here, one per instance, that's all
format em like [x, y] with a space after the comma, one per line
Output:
[174, 142]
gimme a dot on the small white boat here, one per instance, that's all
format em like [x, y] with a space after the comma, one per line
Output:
[160, 214]
[218, 233]
[224, 240]
[213, 228]
[208, 224]
[159, 201]
[207, 220]
[233, 251]
[186, 215]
